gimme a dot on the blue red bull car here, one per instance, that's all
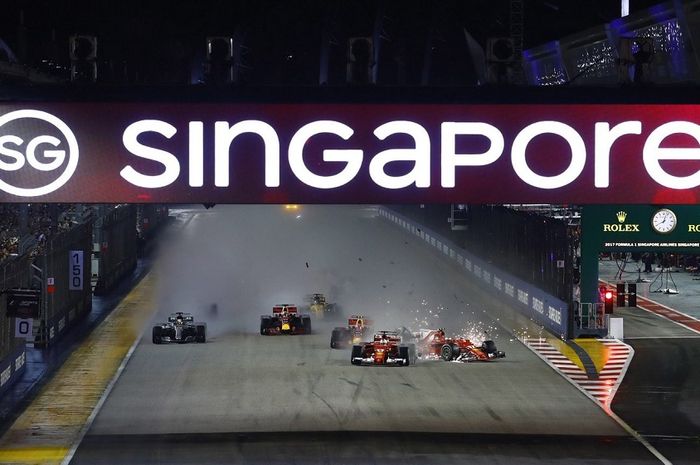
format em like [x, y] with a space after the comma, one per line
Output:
[285, 319]
[356, 331]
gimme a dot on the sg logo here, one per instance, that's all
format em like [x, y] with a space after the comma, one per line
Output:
[43, 154]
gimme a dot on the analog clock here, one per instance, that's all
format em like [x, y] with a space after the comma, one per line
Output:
[664, 221]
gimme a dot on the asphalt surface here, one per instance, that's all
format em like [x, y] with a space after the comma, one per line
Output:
[660, 396]
[360, 448]
[246, 398]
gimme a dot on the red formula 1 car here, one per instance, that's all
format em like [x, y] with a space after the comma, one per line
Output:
[386, 348]
[434, 344]
[355, 332]
[285, 319]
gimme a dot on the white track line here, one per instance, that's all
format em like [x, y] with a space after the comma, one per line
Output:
[103, 398]
[88, 424]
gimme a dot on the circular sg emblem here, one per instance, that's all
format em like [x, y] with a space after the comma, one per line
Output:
[38, 153]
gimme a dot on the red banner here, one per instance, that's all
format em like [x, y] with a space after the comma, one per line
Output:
[349, 153]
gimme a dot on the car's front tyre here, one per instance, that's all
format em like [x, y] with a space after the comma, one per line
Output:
[157, 335]
[201, 334]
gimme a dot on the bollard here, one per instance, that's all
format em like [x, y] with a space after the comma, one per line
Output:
[620, 294]
[632, 294]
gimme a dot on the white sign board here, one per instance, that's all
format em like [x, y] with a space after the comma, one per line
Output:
[75, 270]
[616, 328]
[23, 328]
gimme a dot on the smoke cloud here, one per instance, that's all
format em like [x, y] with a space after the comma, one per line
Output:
[245, 259]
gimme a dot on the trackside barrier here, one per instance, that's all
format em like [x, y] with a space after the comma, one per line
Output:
[589, 319]
[14, 273]
[65, 298]
[150, 217]
[115, 250]
[11, 367]
[541, 307]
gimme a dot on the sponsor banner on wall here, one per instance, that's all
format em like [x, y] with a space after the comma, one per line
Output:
[349, 153]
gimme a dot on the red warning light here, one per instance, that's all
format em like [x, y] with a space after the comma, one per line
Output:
[608, 302]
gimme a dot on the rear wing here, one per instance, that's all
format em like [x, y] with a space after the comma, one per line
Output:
[390, 335]
[277, 309]
[185, 316]
[359, 320]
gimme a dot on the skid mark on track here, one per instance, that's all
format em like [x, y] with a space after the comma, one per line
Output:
[358, 390]
[407, 382]
[493, 414]
[330, 407]
[349, 381]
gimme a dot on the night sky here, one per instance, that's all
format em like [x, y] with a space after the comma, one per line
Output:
[162, 42]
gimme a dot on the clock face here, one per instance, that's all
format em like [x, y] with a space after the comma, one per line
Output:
[664, 221]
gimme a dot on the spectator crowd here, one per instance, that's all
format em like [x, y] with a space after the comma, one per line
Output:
[43, 221]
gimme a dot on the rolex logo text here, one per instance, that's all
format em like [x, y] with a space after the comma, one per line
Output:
[620, 226]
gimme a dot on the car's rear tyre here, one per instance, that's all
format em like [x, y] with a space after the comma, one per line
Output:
[201, 334]
[447, 353]
[489, 347]
[157, 336]
[404, 354]
[306, 324]
[356, 355]
[264, 325]
[336, 336]
[412, 355]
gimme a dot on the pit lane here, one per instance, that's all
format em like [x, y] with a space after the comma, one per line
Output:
[244, 383]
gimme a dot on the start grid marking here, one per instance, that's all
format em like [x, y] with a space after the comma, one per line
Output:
[603, 388]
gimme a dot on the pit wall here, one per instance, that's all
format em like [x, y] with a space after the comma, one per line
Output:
[537, 305]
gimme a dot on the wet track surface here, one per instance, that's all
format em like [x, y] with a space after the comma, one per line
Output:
[660, 396]
[247, 398]
[360, 448]
[291, 383]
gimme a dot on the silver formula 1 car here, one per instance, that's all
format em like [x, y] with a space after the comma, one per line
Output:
[180, 328]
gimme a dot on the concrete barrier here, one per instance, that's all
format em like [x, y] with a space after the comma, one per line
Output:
[11, 367]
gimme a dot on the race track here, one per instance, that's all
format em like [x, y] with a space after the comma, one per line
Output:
[247, 258]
